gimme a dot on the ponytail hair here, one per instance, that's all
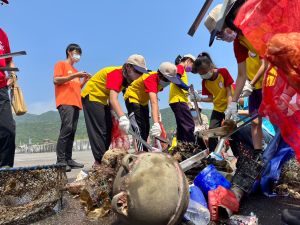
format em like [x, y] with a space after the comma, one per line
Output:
[203, 61]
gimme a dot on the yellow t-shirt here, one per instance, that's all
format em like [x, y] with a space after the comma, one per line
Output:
[138, 91]
[176, 93]
[217, 88]
[98, 87]
[253, 61]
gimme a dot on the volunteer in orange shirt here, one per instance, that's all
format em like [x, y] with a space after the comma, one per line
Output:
[217, 85]
[142, 90]
[68, 102]
[251, 69]
[101, 95]
[178, 100]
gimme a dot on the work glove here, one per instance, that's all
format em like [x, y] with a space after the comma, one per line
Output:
[247, 90]
[195, 97]
[155, 130]
[124, 124]
[231, 111]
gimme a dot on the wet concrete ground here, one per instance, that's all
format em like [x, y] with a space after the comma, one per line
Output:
[268, 210]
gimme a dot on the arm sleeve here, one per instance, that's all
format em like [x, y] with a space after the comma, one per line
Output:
[240, 51]
[114, 80]
[227, 77]
[204, 89]
[182, 85]
[59, 70]
[151, 84]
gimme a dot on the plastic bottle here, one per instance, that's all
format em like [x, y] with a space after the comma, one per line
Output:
[197, 213]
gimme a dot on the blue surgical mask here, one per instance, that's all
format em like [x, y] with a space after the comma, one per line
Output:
[207, 76]
[163, 83]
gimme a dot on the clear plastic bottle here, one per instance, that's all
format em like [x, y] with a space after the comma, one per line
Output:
[197, 213]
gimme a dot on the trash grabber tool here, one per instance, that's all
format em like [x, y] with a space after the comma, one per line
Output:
[199, 17]
[9, 69]
[194, 160]
[13, 54]
[136, 130]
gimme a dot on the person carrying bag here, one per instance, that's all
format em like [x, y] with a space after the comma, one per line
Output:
[17, 99]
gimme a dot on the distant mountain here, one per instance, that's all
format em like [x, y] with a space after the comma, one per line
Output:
[47, 126]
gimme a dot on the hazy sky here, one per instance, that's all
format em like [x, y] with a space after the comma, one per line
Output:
[108, 32]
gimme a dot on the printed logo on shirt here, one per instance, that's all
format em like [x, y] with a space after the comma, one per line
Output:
[221, 84]
[252, 54]
[70, 72]
[1, 46]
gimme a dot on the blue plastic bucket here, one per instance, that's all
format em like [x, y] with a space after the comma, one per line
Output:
[209, 179]
[197, 195]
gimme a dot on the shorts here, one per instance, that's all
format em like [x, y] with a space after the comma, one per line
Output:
[254, 101]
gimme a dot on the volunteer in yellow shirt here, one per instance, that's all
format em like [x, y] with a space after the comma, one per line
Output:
[178, 100]
[217, 85]
[101, 95]
[145, 88]
[250, 67]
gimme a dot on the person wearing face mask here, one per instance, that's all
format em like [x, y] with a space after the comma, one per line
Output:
[251, 68]
[178, 100]
[101, 95]
[217, 85]
[142, 90]
[68, 84]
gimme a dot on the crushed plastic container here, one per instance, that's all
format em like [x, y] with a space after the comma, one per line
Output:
[197, 211]
[209, 179]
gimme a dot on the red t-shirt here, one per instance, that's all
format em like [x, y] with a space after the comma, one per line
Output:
[114, 80]
[180, 69]
[151, 83]
[4, 49]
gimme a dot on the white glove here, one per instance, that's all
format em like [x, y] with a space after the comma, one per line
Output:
[124, 124]
[155, 130]
[198, 98]
[231, 111]
[247, 90]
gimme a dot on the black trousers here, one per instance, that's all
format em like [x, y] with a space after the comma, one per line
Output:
[141, 114]
[215, 121]
[7, 130]
[69, 118]
[99, 126]
[184, 121]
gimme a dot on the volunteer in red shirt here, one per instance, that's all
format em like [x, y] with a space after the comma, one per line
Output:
[101, 95]
[7, 123]
[142, 90]
[68, 84]
[217, 85]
